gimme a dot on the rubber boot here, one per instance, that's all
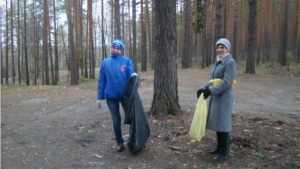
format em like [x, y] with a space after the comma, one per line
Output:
[217, 150]
[224, 149]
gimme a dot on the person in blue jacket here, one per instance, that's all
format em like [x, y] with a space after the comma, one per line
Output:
[113, 75]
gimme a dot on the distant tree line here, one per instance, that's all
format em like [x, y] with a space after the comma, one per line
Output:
[36, 40]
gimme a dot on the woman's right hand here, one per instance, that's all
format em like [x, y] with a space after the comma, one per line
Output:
[199, 93]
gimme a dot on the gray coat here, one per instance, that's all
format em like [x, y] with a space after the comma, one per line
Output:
[222, 96]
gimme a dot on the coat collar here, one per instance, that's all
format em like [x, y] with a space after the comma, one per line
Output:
[224, 59]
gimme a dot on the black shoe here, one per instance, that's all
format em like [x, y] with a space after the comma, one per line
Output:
[216, 151]
[221, 158]
[120, 147]
[224, 149]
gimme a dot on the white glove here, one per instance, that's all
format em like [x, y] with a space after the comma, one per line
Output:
[134, 74]
[98, 103]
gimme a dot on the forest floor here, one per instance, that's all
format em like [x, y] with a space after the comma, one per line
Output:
[61, 127]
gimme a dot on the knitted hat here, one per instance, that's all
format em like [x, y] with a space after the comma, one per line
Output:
[225, 42]
[118, 43]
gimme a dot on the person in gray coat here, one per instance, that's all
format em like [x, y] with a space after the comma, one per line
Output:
[221, 94]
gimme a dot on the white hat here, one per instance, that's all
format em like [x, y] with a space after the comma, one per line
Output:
[225, 42]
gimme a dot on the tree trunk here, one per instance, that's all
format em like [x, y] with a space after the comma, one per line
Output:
[143, 41]
[117, 19]
[82, 62]
[298, 34]
[91, 44]
[134, 36]
[76, 25]
[73, 63]
[235, 31]
[284, 36]
[51, 56]
[35, 65]
[104, 53]
[113, 22]
[219, 31]
[165, 98]
[65, 49]
[12, 44]
[6, 51]
[209, 34]
[86, 75]
[267, 23]
[153, 35]
[149, 39]
[55, 47]
[45, 41]
[129, 46]
[203, 36]
[186, 47]
[250, 63]
[1, 54]
[25, 39]
[123, 21]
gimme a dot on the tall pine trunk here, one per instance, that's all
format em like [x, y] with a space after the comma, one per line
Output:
[283, 34]
[134, 60]
[165, 98]
[73, 63]
[12, 44]
[186, 47]
[250, 63]
[25, 49]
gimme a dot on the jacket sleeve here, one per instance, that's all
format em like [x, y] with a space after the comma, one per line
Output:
[130, 69]
[101, 83]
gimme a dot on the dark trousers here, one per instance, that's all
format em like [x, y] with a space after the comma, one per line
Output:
[114, 108]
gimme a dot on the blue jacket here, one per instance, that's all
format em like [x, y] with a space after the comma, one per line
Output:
[113, 75]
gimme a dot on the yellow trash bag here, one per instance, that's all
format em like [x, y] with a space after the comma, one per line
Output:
[214, 82]
[197, 130]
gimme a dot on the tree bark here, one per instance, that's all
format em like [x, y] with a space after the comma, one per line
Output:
[129, 46]
[45, 41]
[186, 47]
[73, 63]
[203, 36]
[235, 31]
[134, 35]
[165, 98]
[1, 64]
[117, 19]
[250, 63]
[76, 27]
[12, 44]
[284, 36]
[91, 43]
[25, 49]
[104, 55]
[149, 38]
[219, 31]
[6, 51]
[55, 47]
[143, 41]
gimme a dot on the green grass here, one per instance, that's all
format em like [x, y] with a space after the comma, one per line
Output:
[297, 151]
[11, 86]
[87, 80]
[259, 155]
[21, 141]
[82, 80]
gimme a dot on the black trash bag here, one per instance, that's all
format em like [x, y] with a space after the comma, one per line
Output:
[135, 116]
